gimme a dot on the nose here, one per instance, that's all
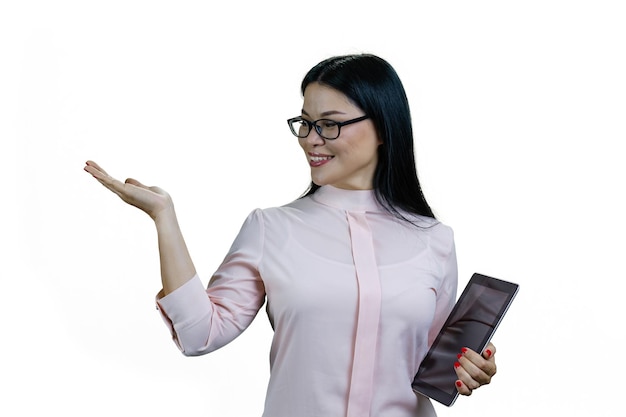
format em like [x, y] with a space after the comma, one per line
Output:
[314, 138]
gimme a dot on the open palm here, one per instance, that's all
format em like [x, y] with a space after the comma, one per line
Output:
[152, 200]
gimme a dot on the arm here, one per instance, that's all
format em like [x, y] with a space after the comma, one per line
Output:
[203, 320]
[176, 265]
[200, 320]
[472, 369]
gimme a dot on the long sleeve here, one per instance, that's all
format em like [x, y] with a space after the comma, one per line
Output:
[446, 293]
[203, 320]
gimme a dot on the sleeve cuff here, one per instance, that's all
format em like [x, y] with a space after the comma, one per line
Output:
[183, 306]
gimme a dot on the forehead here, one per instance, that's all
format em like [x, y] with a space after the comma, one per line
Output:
[319, 98]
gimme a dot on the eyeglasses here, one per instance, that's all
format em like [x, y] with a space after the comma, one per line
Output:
[326, 128]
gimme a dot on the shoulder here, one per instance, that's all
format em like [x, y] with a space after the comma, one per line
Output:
[441, 241]
[428, 225]
[295, 208]
[279, 214]
[438, 236]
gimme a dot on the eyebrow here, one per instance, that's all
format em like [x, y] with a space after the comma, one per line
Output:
[324, 114]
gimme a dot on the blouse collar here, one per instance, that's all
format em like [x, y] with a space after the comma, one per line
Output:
[350, 200]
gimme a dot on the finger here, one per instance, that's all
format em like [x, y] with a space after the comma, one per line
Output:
[464, 373]
[462, 388]
[482, 368]
[114, 185]
[94, 168]
[105, 179]
[101, 175]
[474, 370]
[111, 183]
[489, 351]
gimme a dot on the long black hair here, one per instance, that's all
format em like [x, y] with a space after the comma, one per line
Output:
[373, 85]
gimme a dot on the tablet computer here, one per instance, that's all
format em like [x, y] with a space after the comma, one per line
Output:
[471, 323]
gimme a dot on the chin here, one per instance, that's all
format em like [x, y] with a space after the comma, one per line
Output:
[319, 181]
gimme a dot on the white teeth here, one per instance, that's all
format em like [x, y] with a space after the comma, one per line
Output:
[320, 158]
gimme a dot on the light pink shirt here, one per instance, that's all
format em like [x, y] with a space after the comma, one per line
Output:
[355, 297]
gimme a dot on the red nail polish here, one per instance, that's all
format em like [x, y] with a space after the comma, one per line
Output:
[488, 353]
[459, 384]
[459, 356]
[456, 364]
[464, 350]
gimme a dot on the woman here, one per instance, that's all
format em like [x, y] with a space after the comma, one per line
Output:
[358, 274]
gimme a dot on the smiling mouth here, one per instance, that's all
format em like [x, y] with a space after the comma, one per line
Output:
[317, 160]
[320, 158]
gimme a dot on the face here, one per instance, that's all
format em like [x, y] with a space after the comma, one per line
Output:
[350, 160]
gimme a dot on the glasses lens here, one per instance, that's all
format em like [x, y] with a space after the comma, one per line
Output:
[299, 127]
[327, 128]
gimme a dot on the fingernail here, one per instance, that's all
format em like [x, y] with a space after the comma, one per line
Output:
[459, 356]
[459, 384]
[456, 364]
[464, 350]
[488, 351]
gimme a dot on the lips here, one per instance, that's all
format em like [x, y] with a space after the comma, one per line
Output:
[316, 160]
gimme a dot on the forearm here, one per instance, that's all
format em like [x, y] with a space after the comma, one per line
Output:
[176, 265]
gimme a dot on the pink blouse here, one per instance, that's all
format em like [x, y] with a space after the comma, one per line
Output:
[354, 295]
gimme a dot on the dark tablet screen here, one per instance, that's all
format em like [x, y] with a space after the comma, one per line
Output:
[471, 324]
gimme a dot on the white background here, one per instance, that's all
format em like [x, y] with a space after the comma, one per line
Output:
[519, 112]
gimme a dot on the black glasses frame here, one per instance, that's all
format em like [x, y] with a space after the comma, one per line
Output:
[314, 125]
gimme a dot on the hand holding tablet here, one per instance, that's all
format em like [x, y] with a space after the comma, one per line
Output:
[471, 324]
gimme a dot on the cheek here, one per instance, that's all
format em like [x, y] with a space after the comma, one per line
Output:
[365, 144]
[363, 151]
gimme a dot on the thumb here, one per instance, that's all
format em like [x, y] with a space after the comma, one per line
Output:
[134, 182]
[154, 189]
